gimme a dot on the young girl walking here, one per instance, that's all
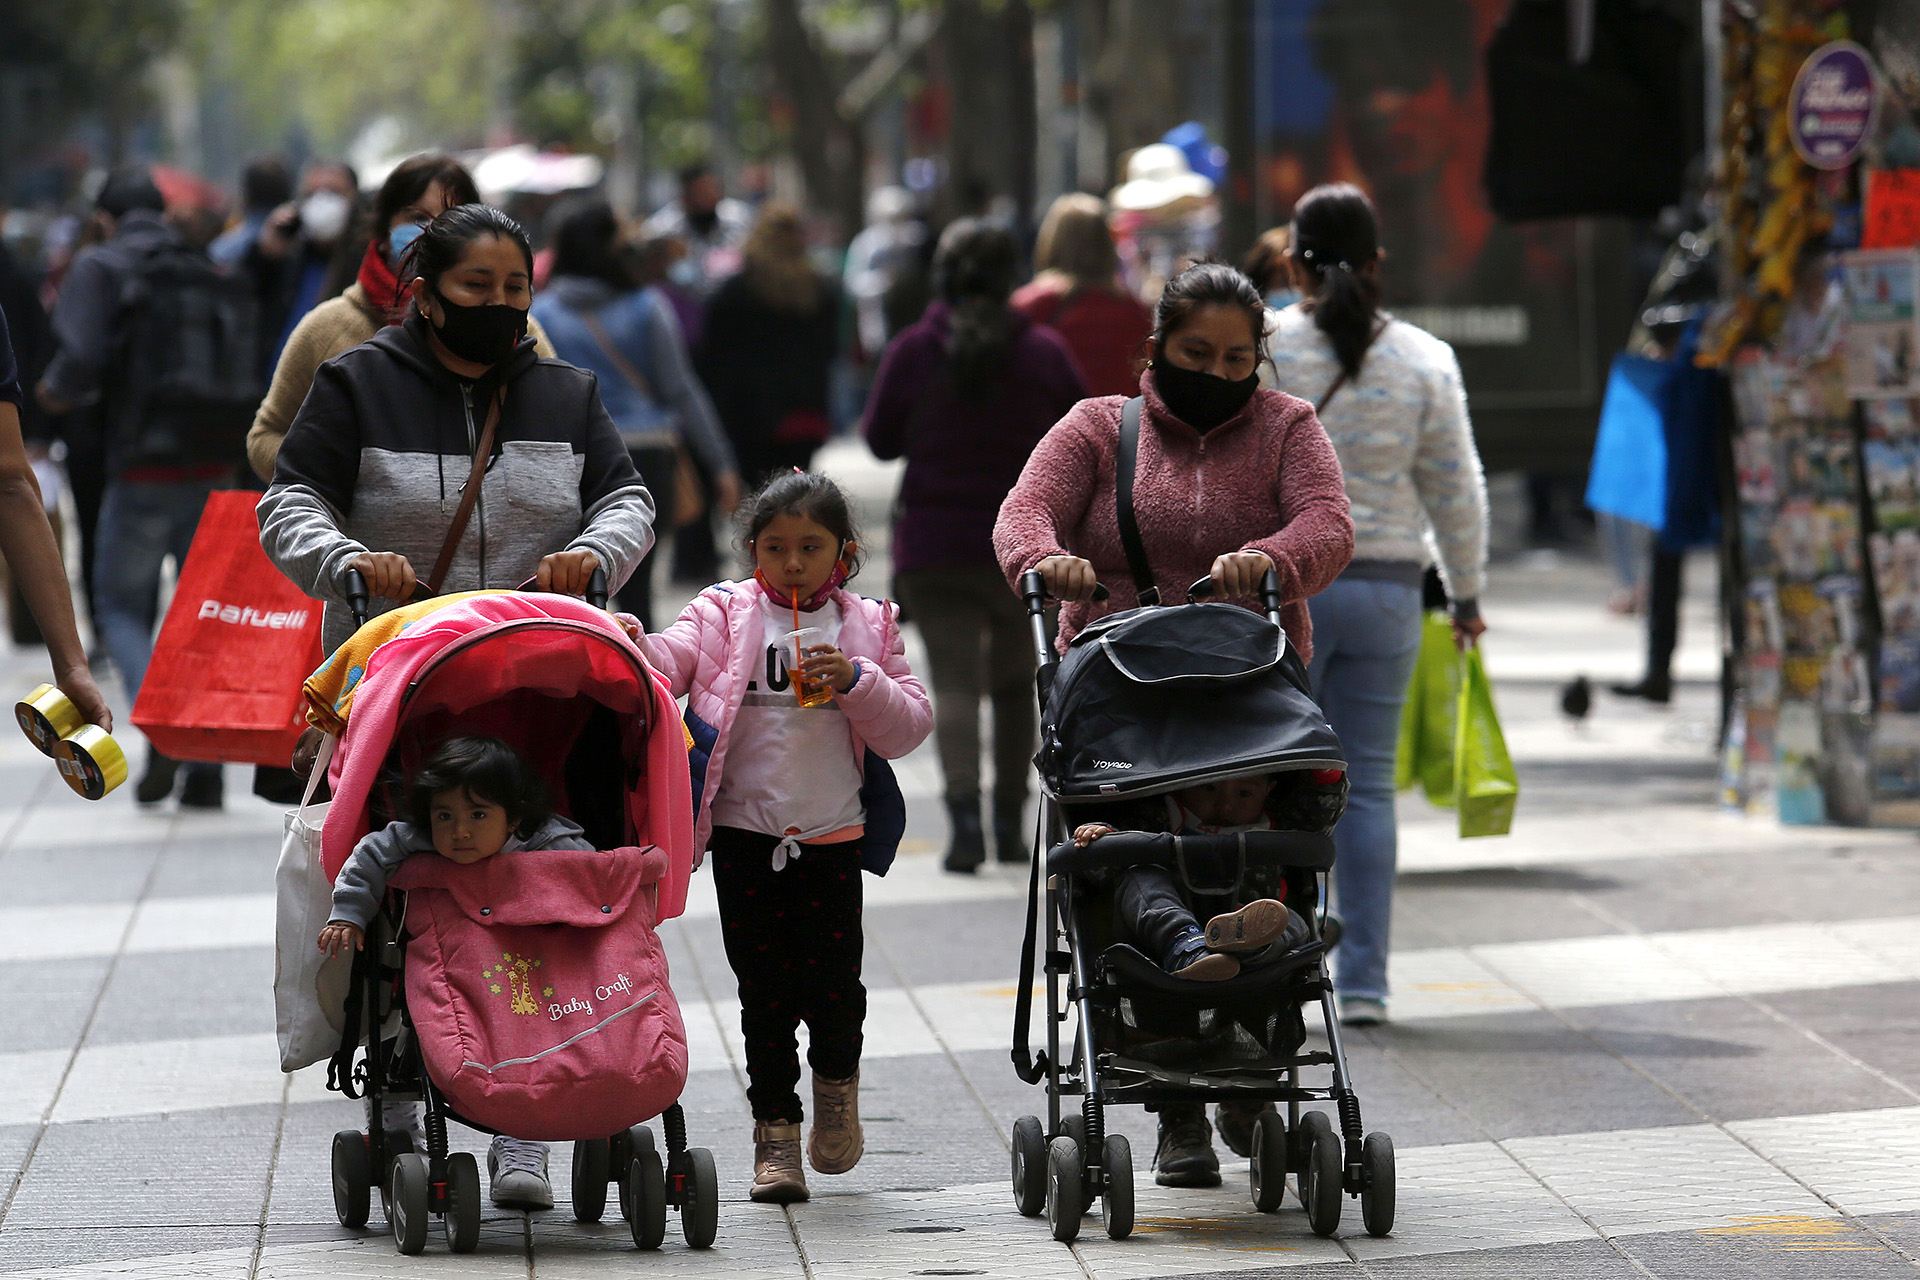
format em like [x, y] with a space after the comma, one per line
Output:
[791, 738]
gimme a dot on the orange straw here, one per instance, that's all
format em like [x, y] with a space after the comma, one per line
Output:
[798, 657]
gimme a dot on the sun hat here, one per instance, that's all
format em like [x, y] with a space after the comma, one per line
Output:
[1158, 176]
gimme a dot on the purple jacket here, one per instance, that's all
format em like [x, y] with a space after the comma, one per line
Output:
[962, 456]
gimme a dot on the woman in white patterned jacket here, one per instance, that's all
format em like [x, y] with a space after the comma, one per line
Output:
[1391, 400]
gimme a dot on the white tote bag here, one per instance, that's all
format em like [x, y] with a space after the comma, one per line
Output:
[309, 989]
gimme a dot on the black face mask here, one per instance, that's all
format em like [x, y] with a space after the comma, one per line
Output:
[1201, 400]
[484, 334]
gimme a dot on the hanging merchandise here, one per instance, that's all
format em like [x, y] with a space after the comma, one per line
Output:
[1586, 118]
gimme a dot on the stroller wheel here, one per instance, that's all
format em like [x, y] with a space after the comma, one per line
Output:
[1300, 1144]
[647, 1198]
[1116, 1206]
[1066, 1198]
[1029, 1167]
[352, 1178]
[461, 1222]
[1376, 1200]
[408, 1210]
[1320, 1184]
[1267, 1170]
[700, 1213]
[634, 1141]
[590, 1163]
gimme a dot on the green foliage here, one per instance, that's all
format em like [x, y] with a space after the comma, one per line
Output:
[328, 68]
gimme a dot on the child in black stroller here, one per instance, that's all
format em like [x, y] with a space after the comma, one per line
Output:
[1156, 725]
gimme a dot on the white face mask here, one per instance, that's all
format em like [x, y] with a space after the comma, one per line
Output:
[323, 215]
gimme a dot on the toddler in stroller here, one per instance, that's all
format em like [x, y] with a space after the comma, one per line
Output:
[524, 994]
[474, 798]
[1150, 910]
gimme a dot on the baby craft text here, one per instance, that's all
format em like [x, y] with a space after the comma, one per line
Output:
[555, 1012]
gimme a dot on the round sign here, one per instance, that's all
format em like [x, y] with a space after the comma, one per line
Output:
[1832, 107]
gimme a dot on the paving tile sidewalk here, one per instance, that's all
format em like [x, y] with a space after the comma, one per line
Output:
[1637, 1038]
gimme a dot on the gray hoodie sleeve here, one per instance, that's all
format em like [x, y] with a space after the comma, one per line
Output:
[313, 486]
[362, 882]
[617, 510]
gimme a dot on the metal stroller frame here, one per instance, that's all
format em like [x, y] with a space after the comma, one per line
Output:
[416, 1186]
[1062, 1167]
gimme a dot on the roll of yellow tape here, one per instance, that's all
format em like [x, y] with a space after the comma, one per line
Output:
[47, 715]
[91, 761]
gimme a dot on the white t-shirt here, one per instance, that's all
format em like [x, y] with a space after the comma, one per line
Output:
[790, 770]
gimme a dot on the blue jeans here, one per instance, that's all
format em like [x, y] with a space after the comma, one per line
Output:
[141, 524]
[1366, 635]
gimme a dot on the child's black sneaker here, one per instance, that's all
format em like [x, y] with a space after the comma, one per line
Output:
[1189, 957]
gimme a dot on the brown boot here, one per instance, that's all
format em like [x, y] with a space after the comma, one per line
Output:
[836, 1143]
[777, 1175]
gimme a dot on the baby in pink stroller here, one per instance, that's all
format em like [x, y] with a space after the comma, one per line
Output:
[523, 993]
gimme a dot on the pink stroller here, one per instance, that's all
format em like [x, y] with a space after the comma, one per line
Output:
[526, 993]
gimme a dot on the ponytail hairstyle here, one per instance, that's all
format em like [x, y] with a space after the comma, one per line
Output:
[973, 272]
[445, 240]
[1336, 237]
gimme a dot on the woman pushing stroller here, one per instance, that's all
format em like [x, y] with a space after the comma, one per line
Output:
[1231, 480]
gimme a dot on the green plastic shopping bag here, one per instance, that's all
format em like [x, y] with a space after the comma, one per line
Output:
[1425, 753]
[1485, 786]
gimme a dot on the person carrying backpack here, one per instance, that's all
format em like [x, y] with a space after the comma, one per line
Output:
[168, 345]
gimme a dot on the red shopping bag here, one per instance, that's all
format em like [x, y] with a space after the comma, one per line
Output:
[239, 639]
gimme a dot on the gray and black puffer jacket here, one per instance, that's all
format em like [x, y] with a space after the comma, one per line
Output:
[378, 455]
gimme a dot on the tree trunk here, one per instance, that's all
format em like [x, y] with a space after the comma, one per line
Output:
[987, 63]
[827, 146]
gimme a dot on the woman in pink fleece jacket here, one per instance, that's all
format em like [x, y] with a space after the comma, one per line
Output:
[795, 799]
[1231, 478]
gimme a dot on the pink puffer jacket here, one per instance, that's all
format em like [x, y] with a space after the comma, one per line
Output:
[709, 655]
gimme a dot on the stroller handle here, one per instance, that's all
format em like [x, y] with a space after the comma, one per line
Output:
[1033, 589]
[1269, 593]
[359, 599]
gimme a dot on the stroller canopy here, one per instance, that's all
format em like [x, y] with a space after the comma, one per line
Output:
[1152, 700]
[559, 681]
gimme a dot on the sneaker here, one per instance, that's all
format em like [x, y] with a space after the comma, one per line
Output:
[836, 1143]
[777, 1175]
[1235, 1121]
[517, 1171]
[1362, 1011]
[1250, 928]
[1190, 958]
[204, 787]
[1185, 1155]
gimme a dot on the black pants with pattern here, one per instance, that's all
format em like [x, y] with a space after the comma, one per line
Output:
[793, 938]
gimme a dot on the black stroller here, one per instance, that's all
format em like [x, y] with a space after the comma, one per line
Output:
[1144, 703]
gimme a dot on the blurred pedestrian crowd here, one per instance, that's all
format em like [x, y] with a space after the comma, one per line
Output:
[167, 332]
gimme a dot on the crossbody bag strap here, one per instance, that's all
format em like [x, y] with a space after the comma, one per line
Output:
[1340, 380]
[482, 452]
[628, 369]
[1123, 502]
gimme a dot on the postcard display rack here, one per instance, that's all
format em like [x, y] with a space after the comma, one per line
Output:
[1800, 731]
